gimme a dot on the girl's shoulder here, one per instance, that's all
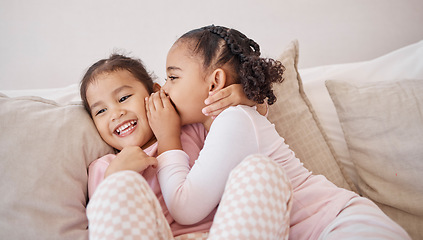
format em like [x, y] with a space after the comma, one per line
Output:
[104, 159]
[240, 111]
[243, 117]
[237, 117]
[102, 162]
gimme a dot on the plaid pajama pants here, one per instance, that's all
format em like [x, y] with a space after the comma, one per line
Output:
[256, 204]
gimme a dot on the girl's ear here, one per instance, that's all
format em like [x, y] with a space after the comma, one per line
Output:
[156, 87]
[218, 80]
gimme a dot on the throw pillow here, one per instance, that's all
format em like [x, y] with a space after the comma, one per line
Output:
[383, 128]
[297, 123]
[45, 150]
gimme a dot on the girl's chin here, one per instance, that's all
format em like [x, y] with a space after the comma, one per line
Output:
[128, 144]
[141, 144]
[201, 118]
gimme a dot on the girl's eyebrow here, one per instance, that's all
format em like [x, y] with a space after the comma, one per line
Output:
[119, 89]
[95, 105]
[114, 92]
[173, 68]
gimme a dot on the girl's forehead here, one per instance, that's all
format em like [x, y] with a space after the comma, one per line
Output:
[108, 81]
[185, 47]
[116, 77]
[181, 54]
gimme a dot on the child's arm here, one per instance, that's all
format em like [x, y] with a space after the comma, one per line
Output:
[231, 95]
[164, 121]
[191, 193]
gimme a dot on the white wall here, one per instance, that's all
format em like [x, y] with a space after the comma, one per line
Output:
[50, 43]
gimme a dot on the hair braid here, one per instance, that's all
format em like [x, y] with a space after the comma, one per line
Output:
[237, 42]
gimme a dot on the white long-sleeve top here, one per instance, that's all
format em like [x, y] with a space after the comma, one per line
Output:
[192, 194]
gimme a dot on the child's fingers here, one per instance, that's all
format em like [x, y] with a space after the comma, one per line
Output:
[165, 100]
[213, 113]
[216, 96]
[150, 103]
[157, 101]
[147, 106]
[215, 108]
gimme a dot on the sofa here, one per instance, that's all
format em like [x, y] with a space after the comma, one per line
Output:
[358, 124]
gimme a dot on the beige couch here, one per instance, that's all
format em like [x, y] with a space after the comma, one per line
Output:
[364, 134]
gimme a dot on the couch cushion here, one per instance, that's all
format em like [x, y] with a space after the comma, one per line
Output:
[403, 63]
[296, 122]
[383, 128]
[45, 150]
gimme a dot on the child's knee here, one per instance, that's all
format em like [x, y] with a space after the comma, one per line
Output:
[256, 181]
[260, 163]
[125, 180]
[125, 183]
[125, 205]
[263, 169]
[259, 160]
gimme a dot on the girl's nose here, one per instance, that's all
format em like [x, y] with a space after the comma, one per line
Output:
[117, 113]
[165, 87]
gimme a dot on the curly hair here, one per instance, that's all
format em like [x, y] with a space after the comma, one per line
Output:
[115, 63]
[218, 45]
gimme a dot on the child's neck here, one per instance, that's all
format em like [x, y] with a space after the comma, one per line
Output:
[150, 142]
[207, 123]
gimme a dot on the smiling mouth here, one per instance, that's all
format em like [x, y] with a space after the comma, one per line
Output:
[126, 128]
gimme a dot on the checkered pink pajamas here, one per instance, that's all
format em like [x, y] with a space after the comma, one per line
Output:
[362, 219]
[256, 204]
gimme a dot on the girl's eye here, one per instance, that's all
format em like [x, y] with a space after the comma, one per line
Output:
[100, 111]
[171, 78]
[122, 99]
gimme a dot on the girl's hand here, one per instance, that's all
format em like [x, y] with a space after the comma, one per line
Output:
[130, 158]
[164, 121]
[231, 95]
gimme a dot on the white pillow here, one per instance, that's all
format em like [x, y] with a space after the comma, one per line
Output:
[62, 95]
[404, 63]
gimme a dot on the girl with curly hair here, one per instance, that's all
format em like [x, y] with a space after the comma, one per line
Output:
[208, 59]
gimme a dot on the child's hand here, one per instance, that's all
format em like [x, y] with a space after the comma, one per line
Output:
[231, 95]
[164, 121]
[130, 158]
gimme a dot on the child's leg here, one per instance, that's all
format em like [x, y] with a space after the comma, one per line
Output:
[362, 219]
[256, 203]
[124, 207]
[193, 236]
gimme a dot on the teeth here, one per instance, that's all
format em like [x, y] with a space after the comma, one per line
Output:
[126, 127]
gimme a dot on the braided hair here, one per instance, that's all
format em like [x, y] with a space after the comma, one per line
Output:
[219, 45]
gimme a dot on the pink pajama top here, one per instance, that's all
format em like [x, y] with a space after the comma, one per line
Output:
[192, 193]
